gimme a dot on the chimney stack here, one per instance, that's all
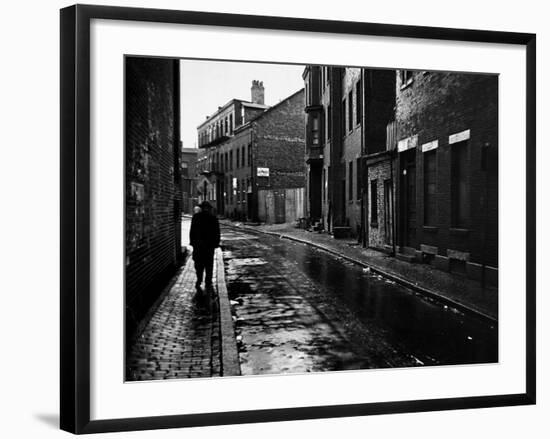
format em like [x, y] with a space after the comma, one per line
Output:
[257, 92]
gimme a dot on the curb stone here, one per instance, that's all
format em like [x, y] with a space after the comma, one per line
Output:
[229, 353]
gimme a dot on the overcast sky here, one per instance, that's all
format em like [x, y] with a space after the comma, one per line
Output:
[207, 85]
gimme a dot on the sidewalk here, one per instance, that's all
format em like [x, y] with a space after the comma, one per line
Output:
[451, 289]
[182, 338]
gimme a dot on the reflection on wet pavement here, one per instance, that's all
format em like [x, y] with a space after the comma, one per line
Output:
[299, 309]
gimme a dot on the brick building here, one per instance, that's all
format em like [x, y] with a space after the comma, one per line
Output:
[152, 181]
[347, 113]
[447, 126]
[253, 167]
[406, 162]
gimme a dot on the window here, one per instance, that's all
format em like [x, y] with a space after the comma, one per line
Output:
[185, 169]
[430, 188]
[374, 203]
[242, 157]
[231, 160]
[329, 122]
[249, 154]
[231, 123]
[460, 199]
[350, 110]
[350, 181]
[358, 101]
[315, 130]
[237, 159]
[406, 77]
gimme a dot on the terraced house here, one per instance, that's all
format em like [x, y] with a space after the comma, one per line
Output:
[406, 162]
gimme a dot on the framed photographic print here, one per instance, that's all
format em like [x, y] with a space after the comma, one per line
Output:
[272, 218]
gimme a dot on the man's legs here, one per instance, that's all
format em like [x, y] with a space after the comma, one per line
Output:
[199, 269]
[209, 266]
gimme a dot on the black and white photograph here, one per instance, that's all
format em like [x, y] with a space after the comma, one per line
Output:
[294, 219]
[275, 219]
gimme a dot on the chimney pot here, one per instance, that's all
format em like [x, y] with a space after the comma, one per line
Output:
[257, 92]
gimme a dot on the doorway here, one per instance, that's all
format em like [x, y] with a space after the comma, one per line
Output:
[408, 197]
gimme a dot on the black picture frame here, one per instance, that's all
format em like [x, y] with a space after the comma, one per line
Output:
[75, 217]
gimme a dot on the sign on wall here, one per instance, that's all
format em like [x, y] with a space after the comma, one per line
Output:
[408, 143]
[262, 172]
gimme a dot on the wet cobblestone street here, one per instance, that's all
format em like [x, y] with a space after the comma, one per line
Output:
[286, 324]
[299, 309]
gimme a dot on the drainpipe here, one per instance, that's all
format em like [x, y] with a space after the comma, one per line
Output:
[363, 236]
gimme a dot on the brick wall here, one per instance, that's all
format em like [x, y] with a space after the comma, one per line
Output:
[152, 188]
[434, 106]
[279, 143]
[351, 150]
[381, 172]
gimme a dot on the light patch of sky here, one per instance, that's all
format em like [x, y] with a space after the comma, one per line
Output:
[207, 85]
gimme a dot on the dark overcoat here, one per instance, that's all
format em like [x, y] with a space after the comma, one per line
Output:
[205, 232]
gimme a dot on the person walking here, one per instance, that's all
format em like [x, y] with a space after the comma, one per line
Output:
[204, 237]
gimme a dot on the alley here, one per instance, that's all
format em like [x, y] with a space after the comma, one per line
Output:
[299, 309]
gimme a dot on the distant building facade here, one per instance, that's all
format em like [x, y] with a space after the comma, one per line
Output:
[406, 162]
[188, 162]
[152, 181]
[253, 167]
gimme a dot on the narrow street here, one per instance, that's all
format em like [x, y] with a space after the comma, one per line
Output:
[300, 309]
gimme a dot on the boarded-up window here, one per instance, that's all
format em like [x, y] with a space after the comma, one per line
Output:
[430, 188]
[374, 203]
[460, 198]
